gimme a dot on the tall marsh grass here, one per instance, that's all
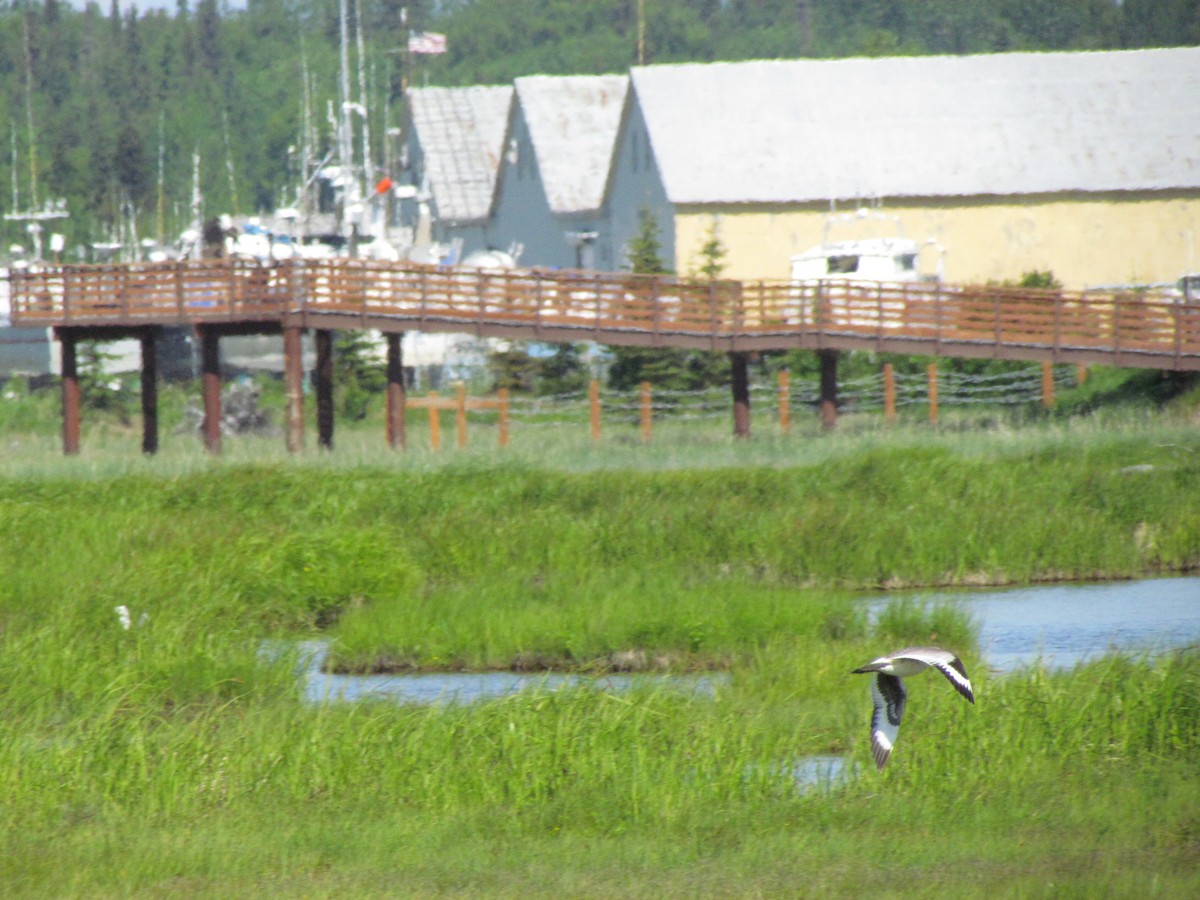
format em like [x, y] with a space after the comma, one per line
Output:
[171, 756]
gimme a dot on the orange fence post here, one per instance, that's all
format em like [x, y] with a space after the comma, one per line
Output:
[1047, 385]
[594, 404]
[460, 415]
[647, 428]
[435, 422]
[889, 393]
[933, 393]
[503, 417]
[1081, 374]
[785, 401]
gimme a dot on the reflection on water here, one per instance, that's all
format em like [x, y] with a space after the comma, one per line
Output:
[1063, 625]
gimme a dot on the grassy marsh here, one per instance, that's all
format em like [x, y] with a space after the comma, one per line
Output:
[173, 758]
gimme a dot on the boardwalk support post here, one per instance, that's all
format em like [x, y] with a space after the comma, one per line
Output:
[293, 376]
[323, 387]
[149, 393]
[740, 380]
[70, 392]
[397, 436]
[829, 399]
[210, 382]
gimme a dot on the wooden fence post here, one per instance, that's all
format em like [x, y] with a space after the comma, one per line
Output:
[889, 393]
[1081, 374]
[785, 400]
[503, 417]
[1047, 385]
[460, 415]
[933, 393]
[647, 412]
[594, 405]
[435, 422]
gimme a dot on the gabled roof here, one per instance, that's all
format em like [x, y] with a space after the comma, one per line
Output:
[461, 131]
[572, 122]
[1013, 123]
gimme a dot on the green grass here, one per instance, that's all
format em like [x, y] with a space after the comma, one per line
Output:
[173, 758]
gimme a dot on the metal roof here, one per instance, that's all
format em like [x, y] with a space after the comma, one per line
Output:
[572, 122]
[461, 131]
[1004, 124]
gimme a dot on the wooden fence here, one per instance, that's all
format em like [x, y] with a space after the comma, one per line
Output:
[648, 403]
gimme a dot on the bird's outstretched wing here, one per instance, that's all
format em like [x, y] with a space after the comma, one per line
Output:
[956, 674]
[945, 662]
[888, 693]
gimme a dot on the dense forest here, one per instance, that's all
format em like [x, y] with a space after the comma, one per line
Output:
[115, 114]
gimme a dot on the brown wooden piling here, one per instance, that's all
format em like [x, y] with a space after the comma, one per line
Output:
[829, 386]
[70, 392]
[293, 371]
[210, 385]
[1047, 385]
[397, 436]
[149, 384]
[739, 364]
[323, 387]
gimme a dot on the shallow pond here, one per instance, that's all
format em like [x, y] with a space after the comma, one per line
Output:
[1060, 625]
[1063, 625]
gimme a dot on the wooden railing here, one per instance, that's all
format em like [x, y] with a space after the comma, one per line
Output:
[1121, 328]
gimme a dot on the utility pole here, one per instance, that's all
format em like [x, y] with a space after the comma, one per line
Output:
[641, 32]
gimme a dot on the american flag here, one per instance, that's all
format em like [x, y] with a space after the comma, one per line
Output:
[426, 42]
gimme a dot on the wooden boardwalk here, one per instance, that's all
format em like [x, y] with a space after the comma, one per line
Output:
[1109, 328]
[223, 297]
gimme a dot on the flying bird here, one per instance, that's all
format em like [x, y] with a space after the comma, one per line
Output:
[889, 693]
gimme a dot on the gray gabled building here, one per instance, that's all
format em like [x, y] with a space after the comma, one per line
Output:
[452, 156]
[549, 199]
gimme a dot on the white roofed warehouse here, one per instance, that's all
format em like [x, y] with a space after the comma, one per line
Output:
[1085, 164]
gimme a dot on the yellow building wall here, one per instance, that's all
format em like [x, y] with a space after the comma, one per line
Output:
[1086, 240]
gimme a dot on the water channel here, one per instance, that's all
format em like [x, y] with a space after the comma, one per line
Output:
[1057, 626]
[1063, 625]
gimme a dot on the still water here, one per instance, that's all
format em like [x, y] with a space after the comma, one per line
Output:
[1063, 625]
[1058, 625]
[468, 687]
